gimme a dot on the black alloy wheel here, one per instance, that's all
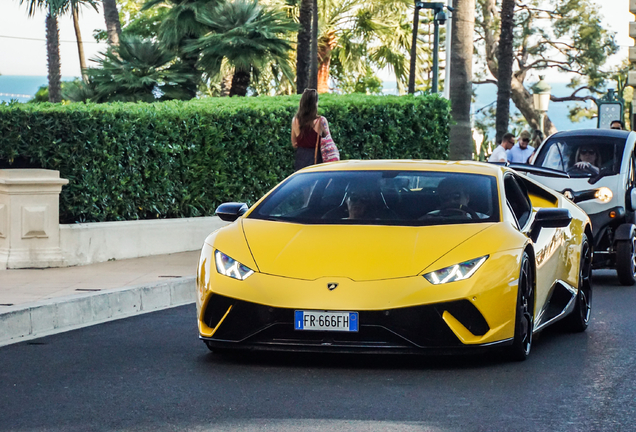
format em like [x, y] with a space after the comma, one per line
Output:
[524, 321]
[626, 261]
[579, 319]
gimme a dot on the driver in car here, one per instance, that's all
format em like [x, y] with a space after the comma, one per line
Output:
[587, 159]
[454, 199]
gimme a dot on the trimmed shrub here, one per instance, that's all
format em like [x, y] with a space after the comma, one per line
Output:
[129, 161]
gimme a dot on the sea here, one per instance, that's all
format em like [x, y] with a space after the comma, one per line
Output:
[23, 88]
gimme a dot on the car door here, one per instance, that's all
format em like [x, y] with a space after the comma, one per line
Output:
[548, 247]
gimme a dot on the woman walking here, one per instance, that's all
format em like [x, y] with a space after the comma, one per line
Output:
[307, 128]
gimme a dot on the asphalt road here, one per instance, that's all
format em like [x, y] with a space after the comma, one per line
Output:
[150, 373]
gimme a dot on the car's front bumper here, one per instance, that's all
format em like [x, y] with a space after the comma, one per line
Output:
[239, 324]
[394, 315]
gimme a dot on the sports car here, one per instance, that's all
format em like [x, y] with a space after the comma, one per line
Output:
[395, 256]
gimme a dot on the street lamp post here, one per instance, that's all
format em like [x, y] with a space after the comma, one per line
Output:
[541, 100]
[439, 18]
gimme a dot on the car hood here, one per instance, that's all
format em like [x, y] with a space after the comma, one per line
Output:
[358, 252]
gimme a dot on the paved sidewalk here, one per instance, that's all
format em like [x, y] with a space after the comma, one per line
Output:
[39, 302]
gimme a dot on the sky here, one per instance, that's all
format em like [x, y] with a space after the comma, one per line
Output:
[23, 46]
[23, 40]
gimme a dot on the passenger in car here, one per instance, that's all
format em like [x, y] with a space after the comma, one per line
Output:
[365, 202]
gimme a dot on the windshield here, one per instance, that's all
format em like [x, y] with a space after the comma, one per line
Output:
[582, 156]
[410, 198]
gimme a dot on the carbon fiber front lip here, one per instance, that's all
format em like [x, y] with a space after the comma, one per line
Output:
[351, 349]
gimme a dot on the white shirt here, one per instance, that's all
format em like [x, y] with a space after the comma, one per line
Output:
[518, 155]
[498, 155]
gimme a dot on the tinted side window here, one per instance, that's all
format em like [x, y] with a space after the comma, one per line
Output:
[517, 198]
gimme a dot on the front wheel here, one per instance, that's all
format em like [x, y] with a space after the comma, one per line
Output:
[579, 319]
[626, 261]
[524, 317]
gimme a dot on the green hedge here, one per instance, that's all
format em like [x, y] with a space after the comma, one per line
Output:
[179, 159]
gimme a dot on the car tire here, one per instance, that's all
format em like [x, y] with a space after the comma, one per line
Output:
[524, 312]
[579, 319]
[626, 261]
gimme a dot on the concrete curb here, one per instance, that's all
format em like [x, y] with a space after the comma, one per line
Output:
[33, 320]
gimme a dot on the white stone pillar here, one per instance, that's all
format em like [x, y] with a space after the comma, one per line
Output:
[30, 218]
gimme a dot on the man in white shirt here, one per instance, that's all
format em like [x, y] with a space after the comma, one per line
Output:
[499, 154]
[521, 152]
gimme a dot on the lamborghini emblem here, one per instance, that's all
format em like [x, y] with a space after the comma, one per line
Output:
[332, 286]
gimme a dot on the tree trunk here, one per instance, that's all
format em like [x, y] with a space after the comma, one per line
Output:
[520, 96]
[240, 82]
[226, 85]
[313, 75]
[416, 26]
[461, 79]
[80, 43]
[53, 55]
[303, 48]
[327, 44]
[111, 16]
[505, 59]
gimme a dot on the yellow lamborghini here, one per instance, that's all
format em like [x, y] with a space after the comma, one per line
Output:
[395, 256]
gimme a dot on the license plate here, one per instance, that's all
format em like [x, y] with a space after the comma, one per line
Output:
[326, 321]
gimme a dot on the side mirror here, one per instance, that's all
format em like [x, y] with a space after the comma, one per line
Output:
[549, 218]
[231, 211]
[632, 199]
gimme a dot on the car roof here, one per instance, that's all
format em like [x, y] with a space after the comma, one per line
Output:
[409, 165]
[614, 133]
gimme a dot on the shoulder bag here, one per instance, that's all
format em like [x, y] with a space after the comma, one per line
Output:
[328, 149]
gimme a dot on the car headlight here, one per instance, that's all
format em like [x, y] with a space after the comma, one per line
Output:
[230, 267]
[455, 272]
[603, 194]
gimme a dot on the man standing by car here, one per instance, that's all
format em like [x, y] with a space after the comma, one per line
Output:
[521, 152]
[499, 154]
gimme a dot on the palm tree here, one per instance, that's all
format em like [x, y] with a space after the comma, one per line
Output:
[360, 33]
[135, 70]
[246, 35]
[461, 78]
[303, 47]
[52, 8]
[180, 24]
[505, 59]
[113, 25]
[73, 6]
[180, 27]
